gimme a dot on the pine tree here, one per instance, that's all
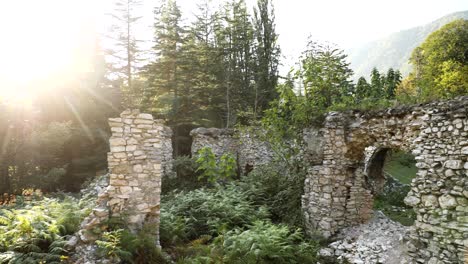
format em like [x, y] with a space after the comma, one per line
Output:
[161, 97]
[392, 80]
[207, 67]
[362, 90]
[376, 84]
[267, 53]
[124, 54]
[234, 37]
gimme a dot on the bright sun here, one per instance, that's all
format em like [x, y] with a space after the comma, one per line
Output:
[42, 40]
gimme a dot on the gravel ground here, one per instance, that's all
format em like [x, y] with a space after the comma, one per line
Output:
[381, 240]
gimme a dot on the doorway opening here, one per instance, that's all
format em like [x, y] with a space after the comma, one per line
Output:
[389, 175]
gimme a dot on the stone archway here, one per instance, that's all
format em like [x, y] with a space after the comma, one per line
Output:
[337, 196]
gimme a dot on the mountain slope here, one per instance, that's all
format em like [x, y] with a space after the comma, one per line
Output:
[395, 50]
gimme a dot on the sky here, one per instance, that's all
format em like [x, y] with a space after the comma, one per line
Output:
[39, 37]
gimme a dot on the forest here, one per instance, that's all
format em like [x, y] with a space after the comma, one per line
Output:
[220, 69]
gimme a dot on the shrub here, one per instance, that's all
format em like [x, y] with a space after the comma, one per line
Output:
[188, 215]
[265, 242]
[279, 188]
[123, 246]
[39, 230]
[185, 176]
[111, 247]
[215, 170]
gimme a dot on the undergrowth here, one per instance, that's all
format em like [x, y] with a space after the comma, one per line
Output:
[38, 231]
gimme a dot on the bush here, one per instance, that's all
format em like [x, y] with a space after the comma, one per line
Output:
[184, 178]
[39, 230]
[188, 215]
[265, 242]
[123, 246]
[215, 170]
[279, 188]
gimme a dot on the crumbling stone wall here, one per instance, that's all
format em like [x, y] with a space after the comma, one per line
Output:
[338, 192]
[140, 154]
[249, 149]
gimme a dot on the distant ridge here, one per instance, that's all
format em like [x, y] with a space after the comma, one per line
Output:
[395, 50]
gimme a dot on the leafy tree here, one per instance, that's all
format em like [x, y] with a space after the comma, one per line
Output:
[441, 62]
[325, 74]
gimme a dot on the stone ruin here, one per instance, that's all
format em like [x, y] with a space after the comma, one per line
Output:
[245, 145]
[345, 172]
[140, 154]
[339, 190]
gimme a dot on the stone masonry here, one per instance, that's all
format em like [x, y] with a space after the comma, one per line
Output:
[245, 145]
[140, 154]
[339, 191]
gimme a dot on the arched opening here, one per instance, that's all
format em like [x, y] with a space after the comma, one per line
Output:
[388, 176]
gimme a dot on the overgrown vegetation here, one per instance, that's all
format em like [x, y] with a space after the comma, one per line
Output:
[221, 69]
[120, 245]
[37, 231]
[256, 218]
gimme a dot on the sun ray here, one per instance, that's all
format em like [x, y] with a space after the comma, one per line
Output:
[78, 117]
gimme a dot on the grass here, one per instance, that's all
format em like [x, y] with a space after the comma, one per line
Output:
[401, 166]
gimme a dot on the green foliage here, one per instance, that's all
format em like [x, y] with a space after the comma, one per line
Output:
[395, 49]
[264, 242]
[289, 114]
[188, 215]
[266, 53]
[440, 63]
[278, 187]
[325, 74]
[213, 170]
[208, 72]
[39, 230]
[111, 246]
[185, 176]
[402, 166]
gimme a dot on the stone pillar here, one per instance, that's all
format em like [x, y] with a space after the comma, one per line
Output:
[140, 153]
[327, 187]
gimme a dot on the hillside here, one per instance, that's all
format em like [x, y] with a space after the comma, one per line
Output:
[394, 51]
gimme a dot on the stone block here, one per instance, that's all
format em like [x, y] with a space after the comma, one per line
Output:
[454, 164]
[117, 142]
[429, 201]
[447, 201]
[145, 116]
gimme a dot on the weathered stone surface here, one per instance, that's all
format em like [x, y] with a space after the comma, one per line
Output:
[412, 200]
[447, 201]
[117, 142]
[429, 201]
[246, 145]
[136, 166]
[351, 166]
[454, 164]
